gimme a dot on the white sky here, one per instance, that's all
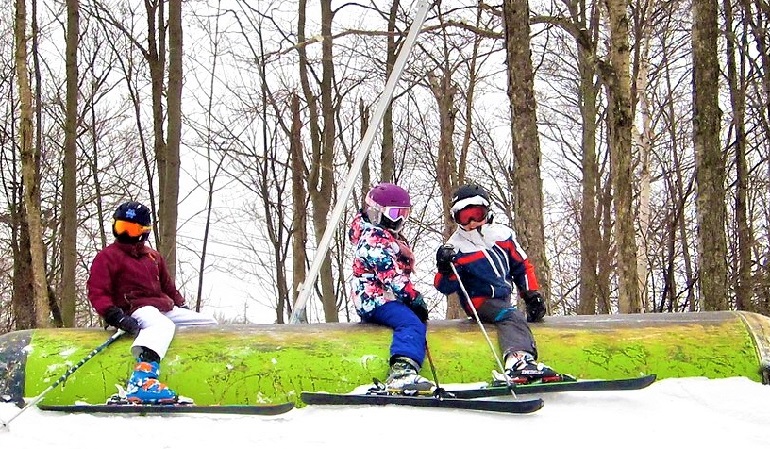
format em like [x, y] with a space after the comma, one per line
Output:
[672, 413]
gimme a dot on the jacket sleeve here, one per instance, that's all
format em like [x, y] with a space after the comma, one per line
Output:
[522, 271]
[382, 256]
[167, 283]
[99, 284]
[446, 283]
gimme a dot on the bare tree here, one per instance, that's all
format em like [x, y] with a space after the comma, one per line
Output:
[444, 90]
[69, 261]
[643, 140]
[30, 163]
[527, 180]
[321, 175]
[168, 173]
[736, 84]
[387, 169]
[601, 176]
[710, 171]
[620, 116]
[299, 201]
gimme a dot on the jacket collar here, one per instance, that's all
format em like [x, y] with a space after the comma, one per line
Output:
[132, 249]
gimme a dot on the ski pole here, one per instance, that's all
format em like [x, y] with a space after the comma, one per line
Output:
[64, 376]
[483, 330]
[438, 392]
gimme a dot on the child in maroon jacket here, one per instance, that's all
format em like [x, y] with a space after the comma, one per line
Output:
[130, 287]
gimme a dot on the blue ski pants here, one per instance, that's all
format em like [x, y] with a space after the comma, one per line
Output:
[409, 333]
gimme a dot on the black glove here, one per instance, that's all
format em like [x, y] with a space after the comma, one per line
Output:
[117, 318]
[444, 258]
[535, 306]
[419, 308]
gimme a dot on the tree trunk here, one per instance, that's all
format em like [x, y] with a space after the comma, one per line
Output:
[590, 236]
[299, 208]
[444, 91]
[320, 179]
[68, 292]
[527, 182]
[170, 193]
[606, 251]
[313, 122]
[30, 168]
[620, 122]
[709, 160]
[322, 197]
[24, 307]
[743, 282]
[156, 61]
[644, 145]
[366, 176]
[388, 164]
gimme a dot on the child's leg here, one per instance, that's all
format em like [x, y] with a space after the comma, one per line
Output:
[156, 334]
[148, 348]
[513, 333]
[408, 331]
[187, 317]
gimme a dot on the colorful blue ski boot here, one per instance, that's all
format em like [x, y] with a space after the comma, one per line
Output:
[144, 387]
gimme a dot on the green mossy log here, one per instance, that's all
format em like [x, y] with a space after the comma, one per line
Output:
[257, 364]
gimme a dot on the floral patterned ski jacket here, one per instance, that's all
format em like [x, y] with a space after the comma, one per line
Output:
[382, 265]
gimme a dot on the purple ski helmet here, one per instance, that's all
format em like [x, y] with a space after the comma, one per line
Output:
[388, 206]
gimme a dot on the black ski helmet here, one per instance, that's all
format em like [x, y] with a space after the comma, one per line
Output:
[132, 212]
[469, 195]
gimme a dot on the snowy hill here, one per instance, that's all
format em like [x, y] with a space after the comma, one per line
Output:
[672, 413]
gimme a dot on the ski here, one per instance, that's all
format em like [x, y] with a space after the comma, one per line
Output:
[517, 406]
[267, 409]
[634, 383]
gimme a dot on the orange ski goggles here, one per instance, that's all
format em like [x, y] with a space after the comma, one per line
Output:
[132, 229]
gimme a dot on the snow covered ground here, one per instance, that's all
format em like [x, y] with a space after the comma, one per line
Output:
[672, 413]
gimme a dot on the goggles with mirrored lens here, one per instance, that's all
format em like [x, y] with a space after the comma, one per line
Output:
[396, 213]
[132, 229]
[472, 213]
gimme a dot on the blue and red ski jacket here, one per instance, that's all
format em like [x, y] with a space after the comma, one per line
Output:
[490, 262]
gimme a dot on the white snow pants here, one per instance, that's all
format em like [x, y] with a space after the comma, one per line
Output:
[158, 327]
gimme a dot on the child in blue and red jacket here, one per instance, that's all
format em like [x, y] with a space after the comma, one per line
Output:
[130, 287]
[382, 291]
[492, 266]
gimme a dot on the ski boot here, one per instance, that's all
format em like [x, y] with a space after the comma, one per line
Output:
[404, 378]
[144, 387]
[522, 368]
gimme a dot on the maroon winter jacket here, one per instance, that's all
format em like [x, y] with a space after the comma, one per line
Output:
[130, 276]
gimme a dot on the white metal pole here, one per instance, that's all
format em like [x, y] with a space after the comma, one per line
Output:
[355, 169]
